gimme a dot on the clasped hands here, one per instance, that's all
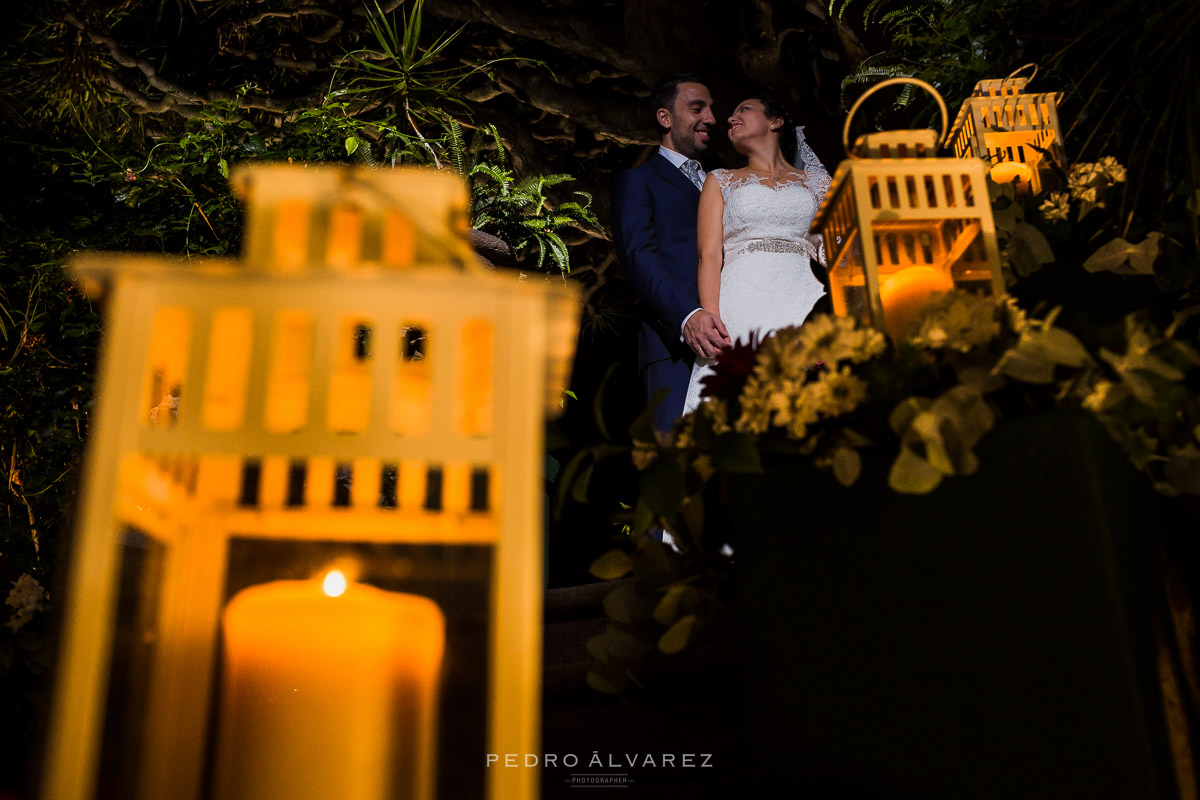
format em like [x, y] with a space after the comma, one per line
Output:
[705, 333]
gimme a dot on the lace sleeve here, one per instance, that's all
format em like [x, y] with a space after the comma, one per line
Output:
[722, 177]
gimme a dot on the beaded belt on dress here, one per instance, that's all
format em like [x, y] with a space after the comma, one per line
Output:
[803, 247]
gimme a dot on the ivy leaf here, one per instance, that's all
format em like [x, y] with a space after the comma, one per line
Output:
[662, 487]
[1035, 241]
[612, 565]
[676, 637]
[904, 413]
[847, 464]
[607, 680]
[1124, 258]
[223, 168]
[1026, 366]
[616, 645]
[652, 563]
[668, 607]
[911, 474]
[624, 604]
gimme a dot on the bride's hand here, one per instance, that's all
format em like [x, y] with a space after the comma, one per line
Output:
[705, 333]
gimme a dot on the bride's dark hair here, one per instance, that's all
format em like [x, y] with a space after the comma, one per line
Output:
[774, 107]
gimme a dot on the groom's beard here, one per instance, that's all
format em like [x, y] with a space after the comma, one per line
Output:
[694, 143]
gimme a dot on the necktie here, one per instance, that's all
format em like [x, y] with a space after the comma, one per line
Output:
[691, 168]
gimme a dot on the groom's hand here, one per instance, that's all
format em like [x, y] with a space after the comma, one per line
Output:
[705, 333]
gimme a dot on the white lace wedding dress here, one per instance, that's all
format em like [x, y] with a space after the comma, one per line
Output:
[767, 282]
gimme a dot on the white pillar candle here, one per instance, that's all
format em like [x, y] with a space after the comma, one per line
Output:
[329, 691]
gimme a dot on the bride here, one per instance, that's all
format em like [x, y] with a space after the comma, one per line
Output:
[754, 271]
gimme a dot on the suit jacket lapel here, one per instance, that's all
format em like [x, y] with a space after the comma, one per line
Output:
[672, 174]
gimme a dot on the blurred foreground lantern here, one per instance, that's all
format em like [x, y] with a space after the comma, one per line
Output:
[308, 561]
[901, 224]
[1016, 133]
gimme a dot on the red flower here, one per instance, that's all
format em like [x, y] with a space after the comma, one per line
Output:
[732, 369]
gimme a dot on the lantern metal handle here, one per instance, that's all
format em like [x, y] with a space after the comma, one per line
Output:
[1021, 69]
[891, 82]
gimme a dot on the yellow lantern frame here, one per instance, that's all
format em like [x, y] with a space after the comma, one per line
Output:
[1018, 134]
[179, 474]
[893, 205]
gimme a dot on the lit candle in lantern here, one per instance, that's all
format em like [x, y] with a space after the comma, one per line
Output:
[329, 690]
[1008, 171]
[905, 293]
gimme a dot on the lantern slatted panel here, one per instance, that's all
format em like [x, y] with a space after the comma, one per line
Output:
[352, 357]
[885, 215]
[342, 387]
[1002, 124]
[277, 483]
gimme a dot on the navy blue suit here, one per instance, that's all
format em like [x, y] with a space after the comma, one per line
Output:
[654, 228]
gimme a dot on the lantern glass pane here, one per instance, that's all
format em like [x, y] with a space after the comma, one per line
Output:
[919, 258]
[375, 713]
[848, 283]
[232, 658]
[135, 642]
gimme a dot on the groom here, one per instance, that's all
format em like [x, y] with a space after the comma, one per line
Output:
[654, 228]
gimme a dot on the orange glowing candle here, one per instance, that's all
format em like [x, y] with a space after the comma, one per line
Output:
[329, 690]
[1009, 171]
[905, 293]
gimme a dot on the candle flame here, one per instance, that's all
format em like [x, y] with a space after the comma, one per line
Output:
[335, 583]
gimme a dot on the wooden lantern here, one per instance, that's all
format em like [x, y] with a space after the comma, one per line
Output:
[901, 224]
[309, 550]
[1015, 132]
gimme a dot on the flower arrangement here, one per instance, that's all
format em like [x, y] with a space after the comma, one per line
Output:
[832, 390]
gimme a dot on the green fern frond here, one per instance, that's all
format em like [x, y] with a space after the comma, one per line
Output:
[541, 253]
[363, 151]
[870, 10]
[900, 15]
[869, 74]
[456, 148]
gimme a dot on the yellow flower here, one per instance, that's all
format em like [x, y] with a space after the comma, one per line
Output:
[718, 413]
[1104, 395]
[833, 339]
[836, 393]
[1056, 207]
[644, 454]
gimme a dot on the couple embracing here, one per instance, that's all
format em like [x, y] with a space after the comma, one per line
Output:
[716, 257]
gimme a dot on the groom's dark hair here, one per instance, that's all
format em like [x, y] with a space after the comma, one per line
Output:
[774, 107]
[667, 90]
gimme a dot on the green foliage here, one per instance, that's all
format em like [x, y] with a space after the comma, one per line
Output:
[410, 83]
[1126, 68]
[1107, 334]
[518, 210]
[88, 173]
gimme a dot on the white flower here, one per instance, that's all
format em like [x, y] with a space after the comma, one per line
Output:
[1113, 171]
[1056, 207]
[26, 598]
